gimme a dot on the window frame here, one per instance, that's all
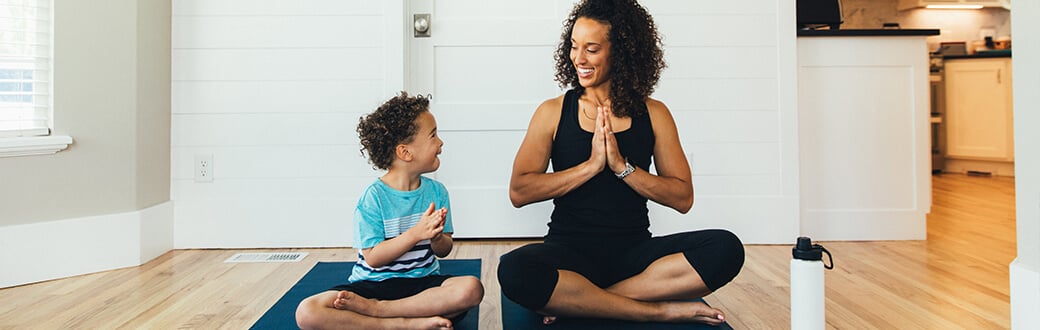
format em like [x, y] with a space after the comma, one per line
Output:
[38, 141]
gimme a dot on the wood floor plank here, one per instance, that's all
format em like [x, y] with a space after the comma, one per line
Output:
[957, 278]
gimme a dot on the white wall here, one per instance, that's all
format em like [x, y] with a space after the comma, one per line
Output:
[103, 203]
[1025, 270]
[111, 94]
[273, 90]
[730, 86]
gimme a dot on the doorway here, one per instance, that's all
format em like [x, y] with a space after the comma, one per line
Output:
[487, 66]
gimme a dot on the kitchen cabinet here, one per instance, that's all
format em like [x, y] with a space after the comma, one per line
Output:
[910, 4]
[863, 142]
[979, 109]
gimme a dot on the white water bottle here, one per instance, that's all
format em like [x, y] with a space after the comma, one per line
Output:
[807, 299]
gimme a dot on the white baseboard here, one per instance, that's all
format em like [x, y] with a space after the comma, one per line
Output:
[1025, 296]
[50, 250]
[963, 166]
[156, 231]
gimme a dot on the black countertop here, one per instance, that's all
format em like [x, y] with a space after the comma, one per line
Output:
[981, 54]
[868, 32]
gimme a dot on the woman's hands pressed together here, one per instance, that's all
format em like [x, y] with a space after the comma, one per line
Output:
[605, 152]
[598, 157]
[615, 160]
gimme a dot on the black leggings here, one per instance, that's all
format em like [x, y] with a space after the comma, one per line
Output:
[528, 274]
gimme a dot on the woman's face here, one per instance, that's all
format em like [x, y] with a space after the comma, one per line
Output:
[590, 52]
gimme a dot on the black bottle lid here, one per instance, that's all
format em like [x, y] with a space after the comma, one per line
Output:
[806, 250]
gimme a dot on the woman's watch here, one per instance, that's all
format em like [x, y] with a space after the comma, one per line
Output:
[628, 170]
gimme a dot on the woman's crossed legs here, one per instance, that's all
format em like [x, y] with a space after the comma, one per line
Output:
[648, 281]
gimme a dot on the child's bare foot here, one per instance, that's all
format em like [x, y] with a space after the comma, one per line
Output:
[435, 322]
[350, 301]
[684, 311]
[547, 320]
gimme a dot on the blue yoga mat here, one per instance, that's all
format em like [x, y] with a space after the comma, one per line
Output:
[516, 317]
[326, 275]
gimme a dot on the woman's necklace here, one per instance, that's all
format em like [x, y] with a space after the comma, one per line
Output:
[586, 113]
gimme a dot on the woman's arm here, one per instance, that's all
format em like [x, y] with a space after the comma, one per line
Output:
[673, 184]
[529, 182]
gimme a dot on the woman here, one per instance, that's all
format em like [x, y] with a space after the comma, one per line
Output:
[599, 259]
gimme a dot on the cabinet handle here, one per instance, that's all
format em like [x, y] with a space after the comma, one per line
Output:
[998, 75]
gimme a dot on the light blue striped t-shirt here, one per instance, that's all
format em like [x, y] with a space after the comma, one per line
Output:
[383, 213]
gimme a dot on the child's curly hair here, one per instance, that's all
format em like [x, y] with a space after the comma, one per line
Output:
[636, 58]
[391, 124]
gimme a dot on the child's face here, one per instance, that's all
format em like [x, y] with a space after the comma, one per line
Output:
[427, 144]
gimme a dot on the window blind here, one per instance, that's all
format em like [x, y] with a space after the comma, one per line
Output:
[25, 67]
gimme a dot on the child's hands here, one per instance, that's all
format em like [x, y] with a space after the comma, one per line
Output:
[430, 224]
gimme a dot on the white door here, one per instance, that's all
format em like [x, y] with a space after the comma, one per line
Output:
[487, 64]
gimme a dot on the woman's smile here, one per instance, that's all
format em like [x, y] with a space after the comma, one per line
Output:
[585, 73]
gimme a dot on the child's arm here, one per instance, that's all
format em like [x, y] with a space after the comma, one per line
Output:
[441, 244]
[430, 225]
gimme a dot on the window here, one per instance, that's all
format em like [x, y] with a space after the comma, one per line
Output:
[25, 64]
[25, 79]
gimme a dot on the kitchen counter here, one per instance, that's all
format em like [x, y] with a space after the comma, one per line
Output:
[868, 33]
[864, 137]
[981, 54]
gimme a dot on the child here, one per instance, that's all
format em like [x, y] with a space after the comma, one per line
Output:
[399, 228]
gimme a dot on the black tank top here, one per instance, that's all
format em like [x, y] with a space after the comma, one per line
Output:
[604, 206]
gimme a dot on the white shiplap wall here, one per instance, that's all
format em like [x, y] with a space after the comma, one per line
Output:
[728, 71]
[273, 89]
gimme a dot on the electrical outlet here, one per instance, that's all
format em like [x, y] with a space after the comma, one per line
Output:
[204, 168]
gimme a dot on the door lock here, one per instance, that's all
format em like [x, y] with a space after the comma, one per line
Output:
[421, 23]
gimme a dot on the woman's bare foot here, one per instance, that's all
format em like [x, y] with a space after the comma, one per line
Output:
[685, 311]
[435, 322]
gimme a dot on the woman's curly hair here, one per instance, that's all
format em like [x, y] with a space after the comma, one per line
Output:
[636, 58]
[391, 124]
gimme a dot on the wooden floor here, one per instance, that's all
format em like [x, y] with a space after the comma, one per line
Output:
[956, 279]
